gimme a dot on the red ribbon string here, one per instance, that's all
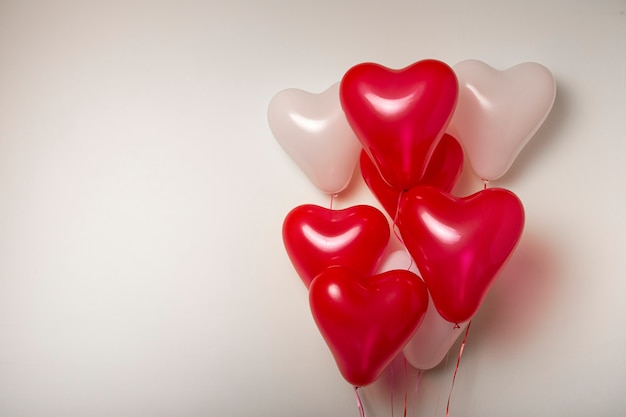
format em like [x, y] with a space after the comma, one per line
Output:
[406, 383]
[458, 362]
[359, 403]
[391, 399]
[418, 378]
[393, 385]
[395, 219]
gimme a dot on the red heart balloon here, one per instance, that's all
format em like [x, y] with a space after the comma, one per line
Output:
[443, 171]
[366, 321]
[460, 244]
[399, 116]
[316, 238]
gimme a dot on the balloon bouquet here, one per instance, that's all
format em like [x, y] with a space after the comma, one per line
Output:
[409, 130]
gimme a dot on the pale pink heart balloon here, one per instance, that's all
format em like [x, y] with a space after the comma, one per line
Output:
[498, 112]
[314, 132]
[435, 336]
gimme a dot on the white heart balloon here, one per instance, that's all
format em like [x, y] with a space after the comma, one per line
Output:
[314, 132]
[498, 112]
[435, 336]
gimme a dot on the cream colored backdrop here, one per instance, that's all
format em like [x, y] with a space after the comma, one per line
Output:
[142, 271]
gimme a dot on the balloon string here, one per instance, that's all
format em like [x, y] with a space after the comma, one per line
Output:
[332, 199]
[418, 378]
[359, 403]
[445, 364]
[485, 182]
[406, 388]
[458, 362]
[395, 216]
[396, 231]
[391, 399]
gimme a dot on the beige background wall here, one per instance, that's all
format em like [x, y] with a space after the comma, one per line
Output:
[142, 271]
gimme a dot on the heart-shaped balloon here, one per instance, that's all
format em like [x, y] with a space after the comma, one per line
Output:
[435, 336]
[313, 130]
[317, 238]
[366, 320]
[399, 115]
[498, 112]
[460, 244]
[443, 171]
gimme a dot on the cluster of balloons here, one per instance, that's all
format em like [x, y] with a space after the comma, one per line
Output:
[410, 130]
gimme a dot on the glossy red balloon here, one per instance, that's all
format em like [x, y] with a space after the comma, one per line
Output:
[317, 238]
[460, 244]
[366, 321]
[399, 116]
[443, 172]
